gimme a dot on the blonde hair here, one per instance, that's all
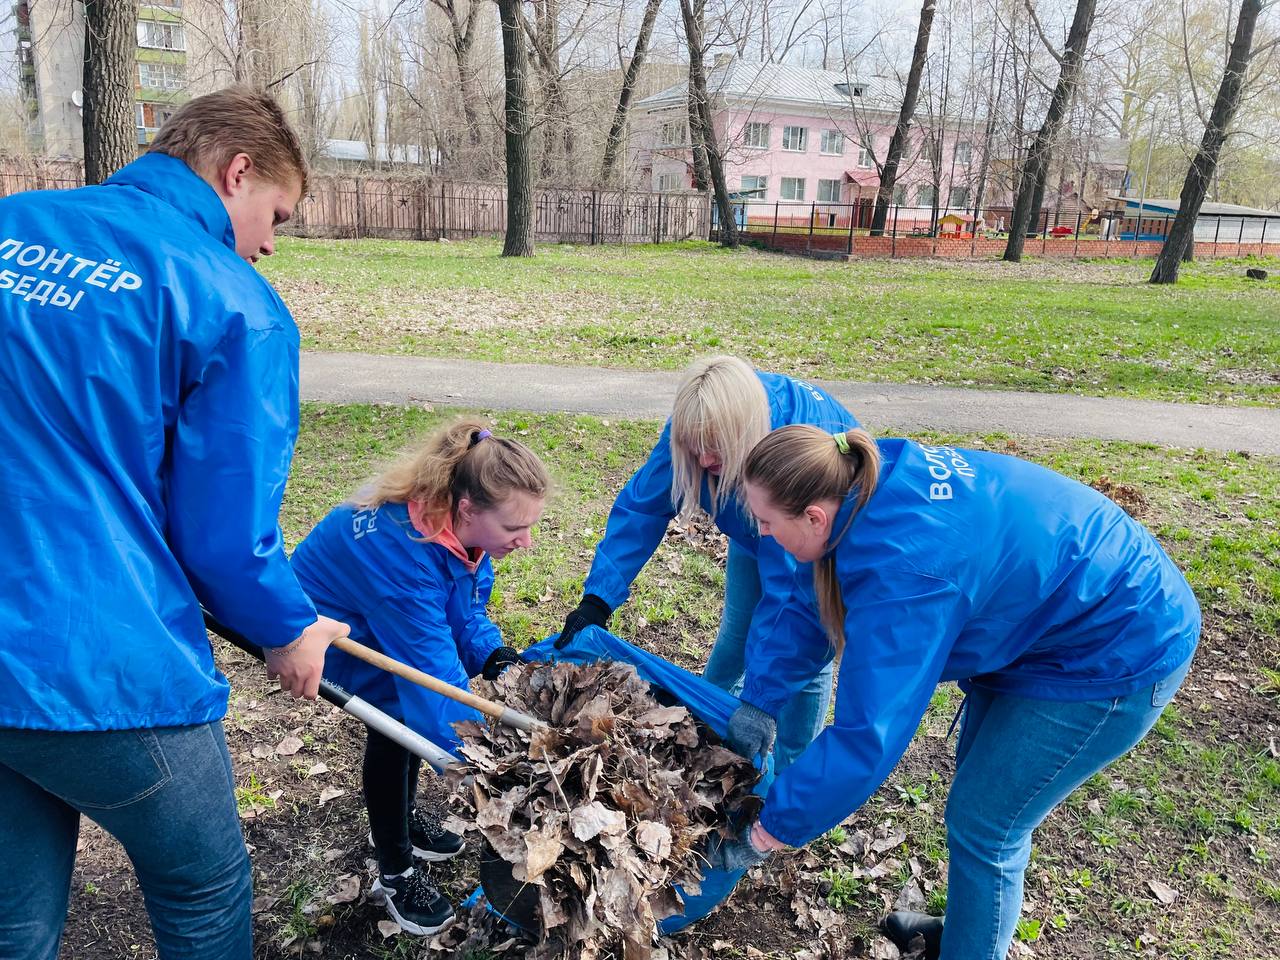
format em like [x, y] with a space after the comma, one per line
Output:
[206, 133]
[721, 405]
[801, 465]
[461, 460]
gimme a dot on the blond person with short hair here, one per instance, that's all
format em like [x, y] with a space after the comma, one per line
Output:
[148, 400]
[722, 408]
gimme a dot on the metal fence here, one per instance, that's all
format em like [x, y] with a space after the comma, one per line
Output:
[844, 229]
[431, 209]
[427, 208]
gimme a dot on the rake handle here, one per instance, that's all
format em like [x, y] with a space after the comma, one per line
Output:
[514, 718]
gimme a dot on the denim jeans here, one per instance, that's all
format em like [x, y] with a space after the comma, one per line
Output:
[166, 794]
[1016, 760]
[805, 715]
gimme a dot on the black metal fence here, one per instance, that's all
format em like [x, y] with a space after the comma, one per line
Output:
[429, 209]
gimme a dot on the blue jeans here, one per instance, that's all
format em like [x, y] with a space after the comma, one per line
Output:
[805, 714]
[1016, 760]
[166, 794]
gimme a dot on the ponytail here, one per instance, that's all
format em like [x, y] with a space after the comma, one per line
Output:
[461, 460]
[801, 465]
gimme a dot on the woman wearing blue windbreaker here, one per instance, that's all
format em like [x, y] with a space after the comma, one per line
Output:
[1064, 621]
[408, 564]
[721, 409]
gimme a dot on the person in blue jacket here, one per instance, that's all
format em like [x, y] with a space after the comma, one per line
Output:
[407, 563]
[1063, 619]
[148, 409]
[721, 409]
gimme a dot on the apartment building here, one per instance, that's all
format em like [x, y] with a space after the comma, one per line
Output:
[50, 51]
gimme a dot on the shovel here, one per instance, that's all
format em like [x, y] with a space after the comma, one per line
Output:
[362, 710]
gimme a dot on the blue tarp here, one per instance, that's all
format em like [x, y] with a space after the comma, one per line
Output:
[705, 701]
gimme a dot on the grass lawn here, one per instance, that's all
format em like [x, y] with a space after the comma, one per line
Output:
[1197, 807]
[1088, 327]
[1192, 815]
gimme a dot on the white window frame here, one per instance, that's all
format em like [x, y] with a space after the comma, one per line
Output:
[865, 160]
[825, 144]
[925, 190]
[668, 131]
[751, 135]
[833, 190]
[790, 136]
[966, 148]
[669, 182]
[759, 190]
[172, 76]
[177, 36]
[899, 194]
[782, 189]
[963, 202]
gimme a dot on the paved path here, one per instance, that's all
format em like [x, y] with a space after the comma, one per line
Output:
[370, 378]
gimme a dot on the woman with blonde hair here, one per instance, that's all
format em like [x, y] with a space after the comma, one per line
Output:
[1062, 618]
[722, 408]
[407, 561]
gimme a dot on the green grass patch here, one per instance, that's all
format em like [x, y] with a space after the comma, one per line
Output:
[1195, 806]
[1080, 326]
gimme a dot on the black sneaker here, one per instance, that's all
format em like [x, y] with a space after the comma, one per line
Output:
[413, 903]
[431, 841]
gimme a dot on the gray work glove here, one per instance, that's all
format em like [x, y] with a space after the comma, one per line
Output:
[736, 853]
[751, 732]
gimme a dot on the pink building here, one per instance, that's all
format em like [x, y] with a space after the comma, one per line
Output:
[795, 137]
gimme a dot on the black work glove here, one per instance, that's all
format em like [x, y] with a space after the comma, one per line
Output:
[736, 853]
[499, 660]
[591, 612]
[751, 732]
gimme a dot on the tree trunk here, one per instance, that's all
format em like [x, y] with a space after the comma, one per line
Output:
[463, 41]
[1181, 238]
[614, 140]
[697, 143]
[898, 142]
[519, 133]
[692, 11]
[1036, 168]
[110, 128]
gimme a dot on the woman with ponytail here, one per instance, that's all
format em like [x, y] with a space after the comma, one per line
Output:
[407, 561]
[722, 408]
[1064, 621]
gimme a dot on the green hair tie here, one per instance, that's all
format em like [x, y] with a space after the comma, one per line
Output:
[842, 443]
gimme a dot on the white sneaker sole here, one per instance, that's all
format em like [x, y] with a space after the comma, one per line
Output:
[379, 892]
[430, 856]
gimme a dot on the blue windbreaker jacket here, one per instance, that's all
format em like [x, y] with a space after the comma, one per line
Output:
[148, 409]
[414, 601]
[985, 569]
[642, 511]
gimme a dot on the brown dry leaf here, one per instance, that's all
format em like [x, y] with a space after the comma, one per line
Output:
[595, 818]
[654, 839]
[330, 793]
[1164, 893]
[289, 746]
[544, 848]
[388, 928]
[345, 889]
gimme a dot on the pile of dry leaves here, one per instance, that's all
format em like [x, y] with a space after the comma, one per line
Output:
[602, 812]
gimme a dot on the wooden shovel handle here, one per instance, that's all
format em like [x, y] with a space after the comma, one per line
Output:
[514, 718]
